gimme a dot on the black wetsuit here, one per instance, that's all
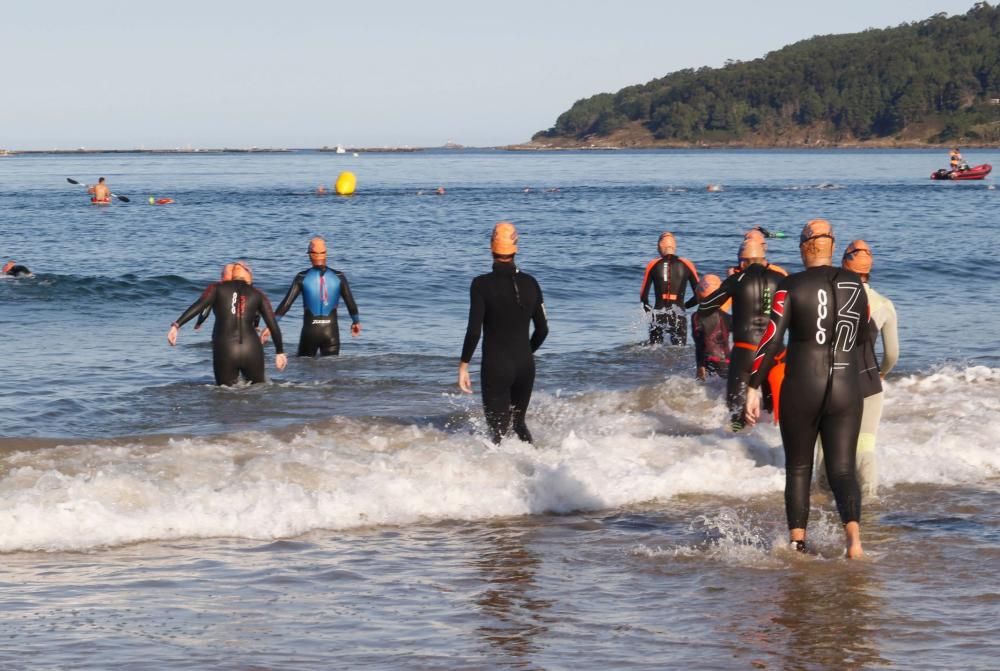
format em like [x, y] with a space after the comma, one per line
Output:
[322, 288]
[752, 291]
[711, 341]
[825, 311]
[18, 271]
[668, 275]
[502, 305]
[236, 346]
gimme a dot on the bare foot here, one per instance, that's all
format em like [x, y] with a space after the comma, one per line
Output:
[853, 532]
[855, 552]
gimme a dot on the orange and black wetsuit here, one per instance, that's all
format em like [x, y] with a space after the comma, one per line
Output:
[752, 291]
[668, 275]
[236, 346]
[18, 271]
[502, 305]
[825, 312]
[711, 341]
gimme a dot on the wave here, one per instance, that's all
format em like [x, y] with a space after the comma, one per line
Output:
[127, 288]
[595, 450]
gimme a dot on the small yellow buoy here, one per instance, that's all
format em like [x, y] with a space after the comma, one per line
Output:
[346, 184]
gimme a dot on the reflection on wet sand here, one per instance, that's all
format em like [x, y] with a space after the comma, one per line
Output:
[825, 616]
[514, 617]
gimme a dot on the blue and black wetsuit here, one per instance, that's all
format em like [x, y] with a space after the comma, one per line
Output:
[322, 288]
[503, 303]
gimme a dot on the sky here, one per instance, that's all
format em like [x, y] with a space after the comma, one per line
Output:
[303, 73]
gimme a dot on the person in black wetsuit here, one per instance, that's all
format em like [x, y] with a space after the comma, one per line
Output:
[236, 348]
[322, 288]
[752, 290]
[825, 312]
[12, 269]
[502, 304]
[710, 333]
[668, 276]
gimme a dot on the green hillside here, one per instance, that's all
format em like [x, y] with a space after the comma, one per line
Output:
[931, 81]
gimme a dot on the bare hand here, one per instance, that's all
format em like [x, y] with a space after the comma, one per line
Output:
[751, 411]
[701, 373]
[280, 361]
[464, 383]
[264, 335]
[356, 329]
[172, 335]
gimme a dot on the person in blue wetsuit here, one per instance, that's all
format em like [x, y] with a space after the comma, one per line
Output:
[322, 288]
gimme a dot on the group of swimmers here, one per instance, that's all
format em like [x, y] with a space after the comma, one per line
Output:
[824, 387]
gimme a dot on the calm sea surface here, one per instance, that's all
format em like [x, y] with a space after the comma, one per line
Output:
[351, 514]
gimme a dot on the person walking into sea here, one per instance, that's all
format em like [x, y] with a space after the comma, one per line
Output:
[858, 258]
[669, 276]
[824, 310]
[225, 276]
[710, 333]
[236, 347]
[502, 305]
[100, 193]
[322, 288]
[752, 289]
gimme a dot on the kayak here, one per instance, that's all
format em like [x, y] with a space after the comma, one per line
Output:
[977, 172]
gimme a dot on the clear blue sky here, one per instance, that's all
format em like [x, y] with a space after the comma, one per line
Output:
[302, 73]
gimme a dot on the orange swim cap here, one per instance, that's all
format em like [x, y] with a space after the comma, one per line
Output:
[666, 243]
[317, 246]
[752, 249]
[504, 240]
[816, 228]
[7, 266]
[755, 234]
[858, 257]
[227, 272]
[242, 271]
[708, 284]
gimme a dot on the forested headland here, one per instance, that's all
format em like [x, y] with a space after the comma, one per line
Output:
[928, 82]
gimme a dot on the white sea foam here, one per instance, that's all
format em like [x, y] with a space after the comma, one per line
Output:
[602, 449]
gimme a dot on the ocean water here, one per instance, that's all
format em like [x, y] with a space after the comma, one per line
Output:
[351, 513]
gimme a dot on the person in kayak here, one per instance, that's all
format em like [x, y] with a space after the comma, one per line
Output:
[12, 269]
[100, 194]
[668, 275]
[710, 333]
[227, 274]
[824, 310]
[322, 288]
[858, 258]
[236, 348]
[752, 290]
[502, 304]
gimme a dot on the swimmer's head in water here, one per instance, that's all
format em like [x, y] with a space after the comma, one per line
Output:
[707, 285]
[667, 244]
[227, 272]
[7, 266]
[752, 251]
[503, 241]
[858, 257]
[242, 272]
[317, 251]
[816, 239]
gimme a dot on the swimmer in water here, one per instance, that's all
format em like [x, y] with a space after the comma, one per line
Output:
[824, 310]
[858, 258]
[502, 305]
[322, 288]
[236, 348]
[11, 269]
[752, 290]
[710, 333]
[668, 276]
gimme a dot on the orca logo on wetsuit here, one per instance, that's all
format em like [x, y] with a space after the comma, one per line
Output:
[232, 309]
[821, 313]
[847, 326]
